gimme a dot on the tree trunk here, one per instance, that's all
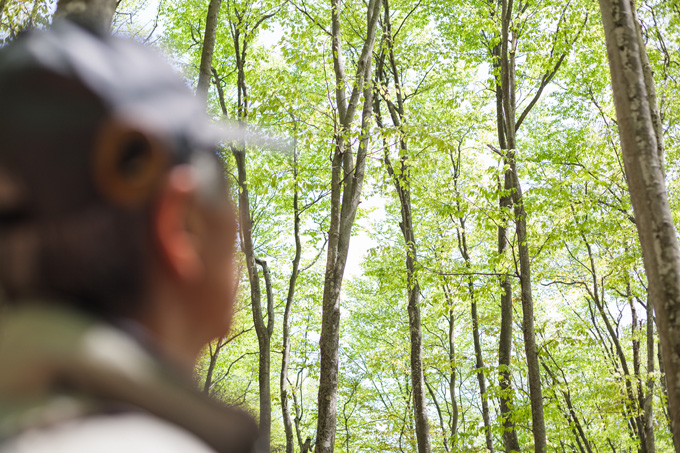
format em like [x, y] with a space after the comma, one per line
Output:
[241, 33]
[658, 237]
[508, 84]
[631, 405]
[510, 440]
[214, 354]
[346, 183]
[401, 181]
[663, 383]
[264, 365]
[649, 397]
[530, 348]
[648, 75]
[255, 299]
[452, 379]
[96, 14]
[205, 69]
[463, 249]
[570, 414]
[283, 383]
[637, 373]
[417, 380]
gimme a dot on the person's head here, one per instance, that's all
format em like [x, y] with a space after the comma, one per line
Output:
[112, 199]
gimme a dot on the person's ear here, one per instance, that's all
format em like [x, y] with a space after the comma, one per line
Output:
[175, 223]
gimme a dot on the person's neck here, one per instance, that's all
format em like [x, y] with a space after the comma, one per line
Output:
[171, 329]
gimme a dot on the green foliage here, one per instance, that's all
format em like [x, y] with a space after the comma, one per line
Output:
[582, 236]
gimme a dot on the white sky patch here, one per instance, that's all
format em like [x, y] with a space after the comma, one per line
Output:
[271, 36]
[361, 241]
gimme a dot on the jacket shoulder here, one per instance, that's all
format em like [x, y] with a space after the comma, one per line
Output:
[127, 432]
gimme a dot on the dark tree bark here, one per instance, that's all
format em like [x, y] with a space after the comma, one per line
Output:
[205, 68]
[242, 30]
[262, 329]
[346, 183]
[242, 34]
[283, 382]
[508, 84]
[645, 176]
[97, 14]
[506, 118]
[510, 440]
[214, 354]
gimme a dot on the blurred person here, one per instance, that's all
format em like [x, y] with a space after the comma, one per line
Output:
[117, 241]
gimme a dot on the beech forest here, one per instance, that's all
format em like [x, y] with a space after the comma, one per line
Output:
[457, 218]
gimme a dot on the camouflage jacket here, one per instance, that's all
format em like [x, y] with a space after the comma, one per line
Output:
[62, 372]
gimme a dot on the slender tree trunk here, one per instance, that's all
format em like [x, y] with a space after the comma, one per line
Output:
[256, 302]
[479, 365]
[530, 348]
[453, 428]
[479, 358]
[570, 414]
[264, 365]
[452, 379]
[508, 46]
[307, 444]
[214, 354]
[510, 440]
[631, 405]
[654, 222]
[205, 68]
[97, 14]
[417, 379]
[241, 32]
[440, 415]
[401, 181]
[649, 397]
[240, 36]
[346, 183]
[637, 373]
[663, 383]
[283, 383]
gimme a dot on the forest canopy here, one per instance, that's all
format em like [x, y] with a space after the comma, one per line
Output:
[445, 255]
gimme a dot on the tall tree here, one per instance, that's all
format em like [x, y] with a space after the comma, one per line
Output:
[244, 21]
[645, 176]
[509, 122]
[285, 358]
[401, 179]
[346, 182]
[207, 49]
